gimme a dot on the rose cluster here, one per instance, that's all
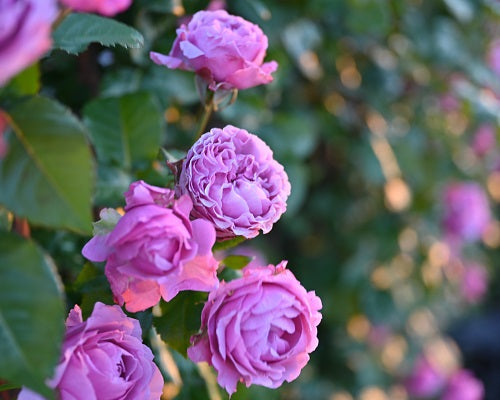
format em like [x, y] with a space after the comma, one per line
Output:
[261, 327]
[430, 381]
[103, 358]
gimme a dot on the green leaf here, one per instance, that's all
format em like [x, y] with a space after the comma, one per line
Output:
[47, 173]
[125, 130]
[180, 319]
[93, 286]
[228, 244]
[236, 262]
[108, 221]
[31, 314]
[27, 82]
[77, 31]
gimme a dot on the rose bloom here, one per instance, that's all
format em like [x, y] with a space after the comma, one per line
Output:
[474, 282]
[234, 182]
[463, 386]
[104, 7]
[154, 250]
[258, 329]
[25, 29]
[225, 50]
[426, 379]
[103, 358]
[484, 140]
[467, 212]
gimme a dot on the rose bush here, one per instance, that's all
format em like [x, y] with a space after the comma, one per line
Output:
[104, 358]
[154, 250]
[25, 29]
[234, 182]
[258, 329]
[104, 7]
[225, 50]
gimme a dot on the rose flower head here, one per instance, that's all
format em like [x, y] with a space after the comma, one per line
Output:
[426, 379]
[463, 385]
[467, 212]
[258, 329]
[234, 182]
[225, 50]
[103, 358]
[25, 33]
[104, 7]
[154, 250]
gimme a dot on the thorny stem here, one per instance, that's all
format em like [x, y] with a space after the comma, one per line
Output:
[207, 113]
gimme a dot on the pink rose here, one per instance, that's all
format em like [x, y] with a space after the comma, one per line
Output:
[463, 386]
[467, 212]
[225, 50]
[25, 29]
[234, 182]
[474, 282]
[258, 329]
[104, 358]
[484, 140]
[426, 379]
[104, 7]
[154, 250]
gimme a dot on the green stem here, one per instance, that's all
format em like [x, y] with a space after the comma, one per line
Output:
[207, 113]
[60, 18]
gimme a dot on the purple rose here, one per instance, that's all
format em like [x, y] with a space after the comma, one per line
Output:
[234, 182]
[104, 7]
[426, 379]
[225, 50]
[103, 358]
[154, 250]
[25, 33]
[463, 386]
[258, 329]
[467, 212]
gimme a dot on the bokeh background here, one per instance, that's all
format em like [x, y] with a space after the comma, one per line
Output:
[377, 107]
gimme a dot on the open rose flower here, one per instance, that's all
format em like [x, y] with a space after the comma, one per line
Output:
[463, 386]
[104, 7]
[25, 29]
[258, 329]
[467, 212]
[103, 358]
[225, 50]
[234, 182]
[154, 250]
